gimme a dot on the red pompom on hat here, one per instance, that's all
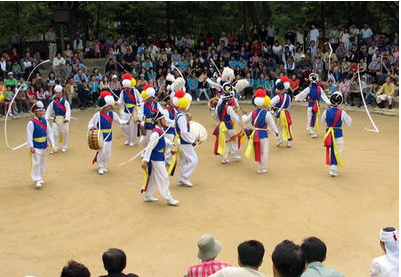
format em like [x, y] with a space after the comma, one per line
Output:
[104, 93]
[127, 76]
[260, 93]
[284, 79]
[179, 93]
[147, 86]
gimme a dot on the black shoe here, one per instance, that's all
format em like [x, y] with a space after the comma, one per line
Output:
[390, 107]
[352, 104]
[359, 105]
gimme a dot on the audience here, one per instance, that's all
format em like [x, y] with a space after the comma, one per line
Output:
[75, 269]
[114, 262]
[288, 260]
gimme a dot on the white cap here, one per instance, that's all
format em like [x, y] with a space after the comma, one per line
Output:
[114, 76]
[58, 88]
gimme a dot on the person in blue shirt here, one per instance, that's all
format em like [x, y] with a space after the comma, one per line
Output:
[193, 84]
[232, 62]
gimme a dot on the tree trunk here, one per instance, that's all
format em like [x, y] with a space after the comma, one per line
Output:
[250, 5]
[72, 25]
[266, 12]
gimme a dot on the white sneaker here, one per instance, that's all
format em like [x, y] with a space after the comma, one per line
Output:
[41, 181]
[261, 171]
[126, 142]
[237, 157]
[64, 150]
[38, 185]
[132, 144]
[289, 144]
[185, 183]
[197, 100]
[150, 199]
[279, 142]
[55, 150]
[101, 171]
[333, 173]
[224, 161]
[105, 170]
[172, 202]
[313, 135]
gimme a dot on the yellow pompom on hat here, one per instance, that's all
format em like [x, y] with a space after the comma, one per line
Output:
[182, 100]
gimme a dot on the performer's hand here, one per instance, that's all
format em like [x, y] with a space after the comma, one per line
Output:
[66, 121]
[93, 128]
[144, 165]
[244, 111]
[33, 151]
[276, 134]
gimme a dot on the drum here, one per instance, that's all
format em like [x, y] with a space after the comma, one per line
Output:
[59, 120]
[189, 116]
[142, 128]
[248, 131]
[135, 112]
[95, 139]
[198, 131]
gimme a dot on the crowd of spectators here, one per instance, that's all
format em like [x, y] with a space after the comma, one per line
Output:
[260, 57]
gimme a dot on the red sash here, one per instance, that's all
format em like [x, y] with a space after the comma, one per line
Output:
[61, 106]
[106, 116]
[158, 130]
[150, 107]
[171, 110]
[130, 96]
[44, 127]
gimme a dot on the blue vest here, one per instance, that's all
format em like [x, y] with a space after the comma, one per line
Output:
[57, 109]
[260, 122]
[39, 134]
[149, 114]
[287, 101]
[177, 128]
[171, 115]
[330, 115]
[314, 95]
[128, 107]
[158, 151]
[106, 126]
[223, 115]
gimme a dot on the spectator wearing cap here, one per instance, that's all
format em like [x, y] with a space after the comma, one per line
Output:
[115, 85]
[315, 251]
[250, 258]
[75, 269]
[114, 262]
[288, 260]
[387, 265]
[11, 81]
[208, 249]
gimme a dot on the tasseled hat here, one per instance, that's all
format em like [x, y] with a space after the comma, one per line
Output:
[314, 78]
[182, 100]
[260, 99]
[105, 99]
[336, 98]
[127, 80]
[157, 115]
[148, 91]
[58, 88]
[285, 81]
[37, 106]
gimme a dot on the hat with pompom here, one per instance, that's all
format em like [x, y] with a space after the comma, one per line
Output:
[148, 92]
[105, 101]
[126, 80]
[285, 81]
[182, 100]
[260, 99]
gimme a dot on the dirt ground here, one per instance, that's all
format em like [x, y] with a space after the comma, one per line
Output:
[79, 214]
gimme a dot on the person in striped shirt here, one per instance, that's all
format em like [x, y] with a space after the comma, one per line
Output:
[209, 248]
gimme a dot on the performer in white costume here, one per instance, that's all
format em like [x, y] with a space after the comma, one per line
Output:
[62, 116]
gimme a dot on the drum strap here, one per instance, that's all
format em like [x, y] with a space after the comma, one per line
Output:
[130, 96]
[61, 106]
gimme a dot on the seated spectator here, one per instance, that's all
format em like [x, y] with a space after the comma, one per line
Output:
[315, 251]
[193, 83]
[8, 96]
[71, 92]
[78, 66]
[22, 100]
[386, 93]
[387, 264]
[375, 67]
[51, 81]
[294, 85]
[182, 64]
[151, 76]
[11, 81]
[74, 269]
[288, 260]
[208, 249]
[250, 258]
[269, 85]
[94, 88]
[371, 93]
[114, 262]
[17, 69]
[203, 86]
[331, 88]
[59, 66]
[336, 70]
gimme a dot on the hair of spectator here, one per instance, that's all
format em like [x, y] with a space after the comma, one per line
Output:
[75, 269]
[250, 253]
[114, 260]
[288, 259]
[314, 249]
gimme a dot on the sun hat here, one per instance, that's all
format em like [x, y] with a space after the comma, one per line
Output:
[208, 247]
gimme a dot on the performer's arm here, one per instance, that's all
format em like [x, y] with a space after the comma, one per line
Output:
[117, 119]
[270, 122]
[29, 135]
[346, 118]
[68, 111]
[301, 96]
[323, 118]
[182, 124]
[50, 136]
[247, 118]
[274, 101]
[138, 97]
[324, 97]
[49, 111]
[141, 114]
[121, 99]
[233, 114]
[93, 122]
[153, 139]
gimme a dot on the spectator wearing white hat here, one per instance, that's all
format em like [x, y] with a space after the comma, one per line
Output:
[38, 132]
[208, 249]
[387, 265]
[62, 116]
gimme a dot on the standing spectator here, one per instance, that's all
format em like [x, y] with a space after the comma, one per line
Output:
[15, 40]
[208, 249]
[270, 33]
[59, 67]
[386, 93]
[345, 38]
[288, 260]
[3, 67]
[333, 37]
[354, 33]
[90, 47]
[51, 40]
[300, 38]
[250, 258]
[71, 92]
[315, 251]
[366, 34]
[114, 262]
[314, 34]
[77, 44]
[387, 265]
[74, 269]
[290, 34]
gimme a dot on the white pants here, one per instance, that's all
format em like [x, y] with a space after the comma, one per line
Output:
[38, 164]
[130, 131]
[104, 154]
[62, 131]
[145, 139]
[232, 146]
[383, 97]
[159, 179]
[308, 120]
[264, 153]
[340, 145]
[167, 152]
[188, 161]
[52, 50]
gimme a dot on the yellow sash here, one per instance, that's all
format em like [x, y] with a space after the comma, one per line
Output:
[145, 181]
[106, 130]
[316, 127]
[284, 125]
[175, 155]
[250, 149]
[222, 138]
[337, 153]
[148, 120]
[39, 139]
[130, 105]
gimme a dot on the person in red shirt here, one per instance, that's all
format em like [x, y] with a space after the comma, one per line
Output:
[294, 85]
[256, 47]
[208, 250]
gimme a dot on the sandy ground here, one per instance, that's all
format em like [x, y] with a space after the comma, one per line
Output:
[79, 214]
